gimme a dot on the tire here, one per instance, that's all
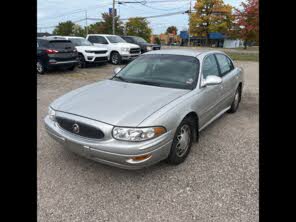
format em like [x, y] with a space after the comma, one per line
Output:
[40, 67]
[115, 58]
[82, 63]
[236, 101]
[182, 142]
[71, 68]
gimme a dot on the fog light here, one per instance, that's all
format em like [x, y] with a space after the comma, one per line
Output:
[89, 57]
[139, 159]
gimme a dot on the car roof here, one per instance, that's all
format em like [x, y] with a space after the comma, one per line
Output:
[102, 34]
[185, 52]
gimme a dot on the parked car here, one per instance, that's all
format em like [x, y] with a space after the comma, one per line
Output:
[87, 52]
[53, 53]
[119, 49]
[144, 45]
[152, 109]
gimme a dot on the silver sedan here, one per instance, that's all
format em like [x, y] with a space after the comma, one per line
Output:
[151, 110]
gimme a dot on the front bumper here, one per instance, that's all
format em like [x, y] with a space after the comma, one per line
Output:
[110, 151]
[128, 57]
[96, 58]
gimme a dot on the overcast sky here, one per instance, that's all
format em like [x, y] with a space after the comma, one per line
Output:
[51, 12]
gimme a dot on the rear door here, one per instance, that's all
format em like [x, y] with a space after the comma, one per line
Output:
[64, 50]
[229, 76]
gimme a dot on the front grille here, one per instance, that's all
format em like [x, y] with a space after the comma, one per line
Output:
[135, 50]
[100, 52]
[84, 129]
[101, 59]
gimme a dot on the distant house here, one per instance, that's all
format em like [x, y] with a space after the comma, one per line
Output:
[43, 34]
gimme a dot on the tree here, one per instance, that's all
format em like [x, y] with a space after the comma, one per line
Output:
[172, 30]
[247, 24]
[105, 26]
[157, 41]
[210, 16]
[139, 27]
[69, 28]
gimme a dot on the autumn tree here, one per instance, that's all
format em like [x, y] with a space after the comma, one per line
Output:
[210, 16]
[105, 26]
[247, 23]
[68, 28]
[172, 30]
[139, 27]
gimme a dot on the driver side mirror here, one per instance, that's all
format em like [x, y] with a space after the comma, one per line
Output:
[116, 70]
[211, 81]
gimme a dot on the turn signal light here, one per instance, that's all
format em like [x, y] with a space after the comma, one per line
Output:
[140, 158]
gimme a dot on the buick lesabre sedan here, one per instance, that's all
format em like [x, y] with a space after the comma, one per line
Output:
[151, 110]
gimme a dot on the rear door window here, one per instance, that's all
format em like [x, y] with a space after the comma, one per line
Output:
[225, 64]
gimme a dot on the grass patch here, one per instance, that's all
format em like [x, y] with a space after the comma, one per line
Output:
[244, 56]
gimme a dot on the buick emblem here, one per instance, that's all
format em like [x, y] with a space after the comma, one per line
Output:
[75, 128]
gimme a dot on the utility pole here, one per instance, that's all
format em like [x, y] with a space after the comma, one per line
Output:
[189, 24]
[113, 18]
[86, 28]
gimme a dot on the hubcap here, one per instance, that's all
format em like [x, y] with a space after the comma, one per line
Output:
[39, 67]
[183, 140]
[114, 58]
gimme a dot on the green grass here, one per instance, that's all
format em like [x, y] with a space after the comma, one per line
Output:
[244, 56]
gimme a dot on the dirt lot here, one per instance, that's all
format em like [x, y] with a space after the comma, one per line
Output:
[219, 181]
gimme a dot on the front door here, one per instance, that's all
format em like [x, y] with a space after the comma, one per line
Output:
[210, 98]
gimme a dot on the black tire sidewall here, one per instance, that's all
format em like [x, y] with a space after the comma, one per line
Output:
[173, 158]
[81, 61]
[234, 108]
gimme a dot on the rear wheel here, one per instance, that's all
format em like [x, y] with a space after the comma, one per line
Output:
[115, 58]
[40, 67]
[236, 101]
[71, 68]
[182, 142]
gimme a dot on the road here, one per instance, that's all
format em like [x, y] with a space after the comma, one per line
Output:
[219, 181]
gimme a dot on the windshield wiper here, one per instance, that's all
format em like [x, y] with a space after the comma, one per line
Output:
[120, 78]
[147, 83]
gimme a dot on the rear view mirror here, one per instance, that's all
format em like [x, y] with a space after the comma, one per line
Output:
[117, 70]
[211, 80]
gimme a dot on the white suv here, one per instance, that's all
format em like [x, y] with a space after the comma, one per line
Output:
[87, 52]
[118, 48]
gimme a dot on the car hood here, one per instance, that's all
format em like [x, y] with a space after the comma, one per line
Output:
[91, 48]
[126, 45]
[116, 103]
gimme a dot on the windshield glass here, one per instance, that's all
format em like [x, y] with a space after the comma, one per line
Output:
[173, 71]
[115, 39]
[140, 40]
[80, 42]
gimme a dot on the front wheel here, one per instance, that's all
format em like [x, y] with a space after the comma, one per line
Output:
[115, 58]
[182, 142]
[82, 63]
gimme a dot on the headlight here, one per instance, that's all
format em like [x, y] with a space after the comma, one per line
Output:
[51, 114]
[125, 49]
[149, 48]
[137, 134]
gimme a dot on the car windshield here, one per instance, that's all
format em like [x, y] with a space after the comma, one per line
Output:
[173, 71]
[140, 40]
[115, 39]
[80, 42]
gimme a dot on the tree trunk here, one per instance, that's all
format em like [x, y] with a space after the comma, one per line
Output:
[245, 44]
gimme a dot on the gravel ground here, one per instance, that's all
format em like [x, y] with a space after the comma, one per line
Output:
[219, 181]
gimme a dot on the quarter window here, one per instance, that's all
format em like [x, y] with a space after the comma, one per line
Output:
[210, 66]
[224, 63]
